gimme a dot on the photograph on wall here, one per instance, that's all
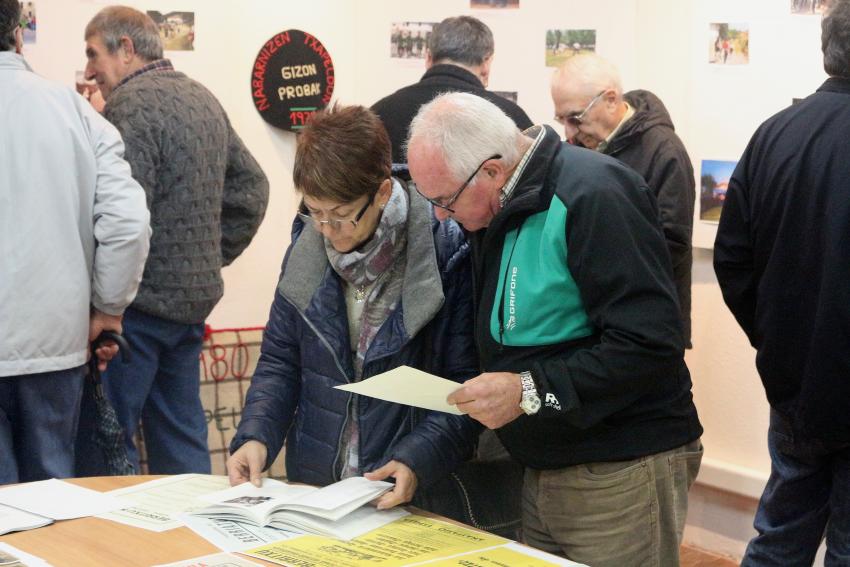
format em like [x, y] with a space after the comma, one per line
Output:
[510, 95]
[177, 29]
[494, 4]
[563, 44]
[809, 7]
[28, 21]
[714, 181]
[729, 44]
[408, 40]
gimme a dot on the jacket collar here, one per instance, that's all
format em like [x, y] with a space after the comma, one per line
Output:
[11, 61]
[458, 73]
[422, 294]
[839, 85]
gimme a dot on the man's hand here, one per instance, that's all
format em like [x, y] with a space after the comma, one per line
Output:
[491, 398]
[99, 322]
[247, 464]
[405, 484]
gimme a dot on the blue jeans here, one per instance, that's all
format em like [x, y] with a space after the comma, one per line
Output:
[38, 424]
[806, 497]
[161, 387]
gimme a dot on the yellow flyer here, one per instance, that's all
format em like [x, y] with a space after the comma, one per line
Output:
[411, 539]
[499, 557]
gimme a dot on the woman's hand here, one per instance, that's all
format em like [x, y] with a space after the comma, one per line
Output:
[405, 484]
[247, 464]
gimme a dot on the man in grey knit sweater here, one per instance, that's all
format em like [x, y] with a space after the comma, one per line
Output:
[207, 196]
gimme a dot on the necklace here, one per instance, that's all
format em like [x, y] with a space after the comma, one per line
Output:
[360, 293]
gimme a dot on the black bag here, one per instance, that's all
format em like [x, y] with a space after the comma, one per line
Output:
[100, 449]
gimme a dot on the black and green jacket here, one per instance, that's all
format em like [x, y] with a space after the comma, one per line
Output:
[575, 285]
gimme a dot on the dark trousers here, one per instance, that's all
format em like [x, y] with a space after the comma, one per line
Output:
[38, 424]
[806, 498]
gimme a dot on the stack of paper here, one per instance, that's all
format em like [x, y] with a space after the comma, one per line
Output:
[336, 510]
[14, 520]
[58, 500]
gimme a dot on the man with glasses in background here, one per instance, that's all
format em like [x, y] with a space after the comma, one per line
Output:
[578, 330]
[635, 128]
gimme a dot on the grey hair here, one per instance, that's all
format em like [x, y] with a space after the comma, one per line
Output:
[10, 19]
[466, 129]
[835, 39]
[590, 73]
[114, 22]
[462, 39]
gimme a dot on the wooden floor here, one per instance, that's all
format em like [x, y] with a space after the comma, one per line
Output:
[694, 557]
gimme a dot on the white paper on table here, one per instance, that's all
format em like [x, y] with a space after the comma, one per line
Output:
[23, 556]
[58, 500]
[155, 505]
[214, 560]
[408, 386]
[13, 520]
[231, 536]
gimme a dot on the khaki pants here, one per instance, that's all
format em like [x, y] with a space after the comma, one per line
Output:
[615, 514]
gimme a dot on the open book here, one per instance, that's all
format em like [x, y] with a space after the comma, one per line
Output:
[336, 510]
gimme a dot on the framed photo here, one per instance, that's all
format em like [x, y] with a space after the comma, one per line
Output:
[563, 44]
[177, 29]
[729, 44]
[809, 7]
[408, 40]
[714, 182]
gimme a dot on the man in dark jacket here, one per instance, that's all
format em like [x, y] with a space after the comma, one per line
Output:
[207, 196]
[781, 258]
[578, 331]
[636, 129]
[459, 55]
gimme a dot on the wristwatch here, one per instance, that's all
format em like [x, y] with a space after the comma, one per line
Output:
[530, 402]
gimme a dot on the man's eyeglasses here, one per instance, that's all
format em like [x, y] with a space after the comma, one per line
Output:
[577, 118]
[446, 204]
[338, 224]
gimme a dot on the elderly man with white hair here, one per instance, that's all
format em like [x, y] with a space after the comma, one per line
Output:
[635, 128]
[578, 329]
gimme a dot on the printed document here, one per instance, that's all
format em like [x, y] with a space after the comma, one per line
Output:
[214, 560]
[410, 540]
[513, 554]
[155, 505]
[58, 500]
[408, 386]
[231, 536]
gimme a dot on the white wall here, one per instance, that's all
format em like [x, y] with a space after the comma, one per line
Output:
[658, 44]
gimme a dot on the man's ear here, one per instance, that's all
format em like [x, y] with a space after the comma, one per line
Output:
[484, 70]
[429, 59]
[128, 49]
[19, 40]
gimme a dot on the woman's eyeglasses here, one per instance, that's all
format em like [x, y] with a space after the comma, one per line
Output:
[338, 224]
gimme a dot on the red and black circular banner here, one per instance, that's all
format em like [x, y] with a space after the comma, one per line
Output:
[292, 78]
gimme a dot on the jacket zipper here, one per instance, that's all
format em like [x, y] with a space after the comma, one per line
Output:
[335, 472]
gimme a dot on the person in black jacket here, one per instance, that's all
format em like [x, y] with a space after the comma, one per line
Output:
[371, 282]
[578, 331]
[635, 128]
[782, 258]
[459, 55]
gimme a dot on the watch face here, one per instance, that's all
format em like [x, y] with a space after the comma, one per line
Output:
[530, 404]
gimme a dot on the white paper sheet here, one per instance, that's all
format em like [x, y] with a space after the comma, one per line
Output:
[214, 560]
[58, 500]
[409, 386]
[155, 505]
[22, 556]
[12, 520]
[233, 536]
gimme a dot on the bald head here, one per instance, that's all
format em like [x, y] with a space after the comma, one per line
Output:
[588, 98]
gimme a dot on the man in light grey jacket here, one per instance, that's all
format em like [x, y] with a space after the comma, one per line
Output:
[74, 236]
